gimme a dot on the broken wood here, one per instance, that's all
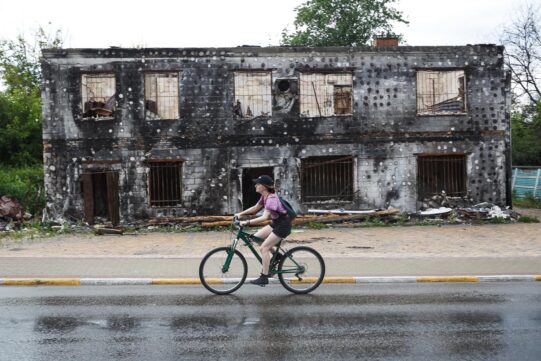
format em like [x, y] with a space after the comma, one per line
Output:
[102, 231]
[338, 218]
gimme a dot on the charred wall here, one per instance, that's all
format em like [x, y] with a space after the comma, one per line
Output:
[383, 133]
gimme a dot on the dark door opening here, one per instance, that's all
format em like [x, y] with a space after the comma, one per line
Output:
[100, 193]
[249, 195]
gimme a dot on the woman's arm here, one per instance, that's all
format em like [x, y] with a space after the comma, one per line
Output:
[266, 215]
[251, 210]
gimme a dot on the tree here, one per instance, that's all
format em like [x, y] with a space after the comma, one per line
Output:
[522, 40]
[20, 99]
[526, 132]
[342, 22]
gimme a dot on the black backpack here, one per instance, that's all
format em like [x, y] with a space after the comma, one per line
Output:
[289, 208]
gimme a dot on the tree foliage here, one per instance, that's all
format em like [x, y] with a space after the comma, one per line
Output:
[20, 98]
[522, 40]
[526, 135]
[342, 22]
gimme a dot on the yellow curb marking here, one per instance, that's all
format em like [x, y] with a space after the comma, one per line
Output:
[41, 281]
[448, 279]
[537, 277]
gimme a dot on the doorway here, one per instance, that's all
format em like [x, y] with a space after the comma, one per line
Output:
[100, 194]
[249, 195]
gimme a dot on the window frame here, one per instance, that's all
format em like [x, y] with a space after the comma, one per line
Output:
[269, 106]
[178, 87]
[441, 69]
[157, 162]
[81, 105]
[326, 72]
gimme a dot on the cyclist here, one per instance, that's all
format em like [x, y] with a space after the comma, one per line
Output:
[279, 228]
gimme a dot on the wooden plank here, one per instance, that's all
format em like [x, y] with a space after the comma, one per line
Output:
[88, 197]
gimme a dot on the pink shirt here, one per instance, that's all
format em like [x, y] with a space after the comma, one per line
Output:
[273, 205]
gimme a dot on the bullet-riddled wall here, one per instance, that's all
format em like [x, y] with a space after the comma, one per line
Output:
[233, 111]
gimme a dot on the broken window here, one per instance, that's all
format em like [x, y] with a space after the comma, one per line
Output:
[327, 179]
[161, 96]
[98, 95]
[253, 94]
[437, 173]
[165, 184]
[441, 92]
[324, 95]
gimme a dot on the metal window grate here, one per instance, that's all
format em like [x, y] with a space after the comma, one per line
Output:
[165, 184]
[161, 96]
[440, 92]
[325, 95]
[98, 95]
[327, 179]
[253, 94]
[441, 173]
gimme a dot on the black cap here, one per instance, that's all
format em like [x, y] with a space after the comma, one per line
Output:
[265, 180]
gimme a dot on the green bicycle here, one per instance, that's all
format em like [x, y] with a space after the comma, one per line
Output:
[224, 269]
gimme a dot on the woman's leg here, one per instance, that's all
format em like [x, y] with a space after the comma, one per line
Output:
[271, 241]
[264, 232]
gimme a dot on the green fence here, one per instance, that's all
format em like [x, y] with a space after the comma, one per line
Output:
[527, 180]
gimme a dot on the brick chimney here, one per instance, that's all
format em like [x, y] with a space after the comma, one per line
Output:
[382, 40]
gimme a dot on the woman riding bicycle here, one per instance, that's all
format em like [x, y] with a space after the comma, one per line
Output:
[279, 228]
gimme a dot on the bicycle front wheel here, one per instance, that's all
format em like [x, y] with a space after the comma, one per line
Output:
[218, 275]
[301, 270]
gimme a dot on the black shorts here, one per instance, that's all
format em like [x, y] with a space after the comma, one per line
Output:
[281, 226]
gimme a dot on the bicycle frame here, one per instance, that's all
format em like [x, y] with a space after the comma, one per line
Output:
[245, 237]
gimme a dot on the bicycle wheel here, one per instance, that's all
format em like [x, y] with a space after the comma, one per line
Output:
[301, 270]
[212, 275]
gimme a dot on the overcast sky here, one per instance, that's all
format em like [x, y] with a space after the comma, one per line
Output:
[215, 23]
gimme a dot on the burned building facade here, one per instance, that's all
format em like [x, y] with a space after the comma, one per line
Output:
[131, 134]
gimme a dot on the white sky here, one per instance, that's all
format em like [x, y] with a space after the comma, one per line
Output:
[206, 23]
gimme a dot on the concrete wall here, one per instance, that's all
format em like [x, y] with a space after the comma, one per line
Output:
[384, 133]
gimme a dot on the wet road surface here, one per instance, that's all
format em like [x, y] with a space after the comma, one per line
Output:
[491, 321]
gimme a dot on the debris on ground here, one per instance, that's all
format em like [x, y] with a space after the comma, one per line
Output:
[10, 209]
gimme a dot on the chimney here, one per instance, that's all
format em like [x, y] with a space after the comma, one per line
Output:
[383, 40]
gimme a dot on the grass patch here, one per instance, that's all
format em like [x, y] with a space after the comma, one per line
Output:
[528, 219]
[316, 225]
[529, 201]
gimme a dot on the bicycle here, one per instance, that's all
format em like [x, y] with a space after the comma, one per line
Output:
[223, 270]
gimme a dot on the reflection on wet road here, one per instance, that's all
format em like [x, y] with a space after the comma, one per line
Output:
[384, 322]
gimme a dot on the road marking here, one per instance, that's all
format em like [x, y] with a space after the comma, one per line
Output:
[184, 281]
[448, 279]
[41, 282]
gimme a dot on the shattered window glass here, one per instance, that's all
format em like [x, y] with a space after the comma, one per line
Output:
[324, 95]
[161, 96]
[441, 92]
[98, 95]
[253, 94]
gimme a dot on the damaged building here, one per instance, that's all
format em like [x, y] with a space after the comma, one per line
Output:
[131, 134]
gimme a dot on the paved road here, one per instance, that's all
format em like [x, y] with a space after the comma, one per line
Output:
[488, 321]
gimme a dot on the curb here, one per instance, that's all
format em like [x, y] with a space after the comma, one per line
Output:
[196, 281]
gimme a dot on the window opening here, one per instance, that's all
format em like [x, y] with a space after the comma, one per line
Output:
[165, 184]
[327, 179]
[98, 95]
[441, 92]
[253, 94]
[161, 96]
[326, 94]
[441, 173]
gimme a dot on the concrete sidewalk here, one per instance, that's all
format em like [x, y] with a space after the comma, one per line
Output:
[506, 249]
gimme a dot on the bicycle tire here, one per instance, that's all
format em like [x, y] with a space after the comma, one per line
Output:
[216, 284]
[318, 260]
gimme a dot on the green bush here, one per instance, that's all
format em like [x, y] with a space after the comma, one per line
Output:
[25, 184]
[528, 201]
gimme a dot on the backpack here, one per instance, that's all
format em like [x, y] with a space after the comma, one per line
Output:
[289, 208]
